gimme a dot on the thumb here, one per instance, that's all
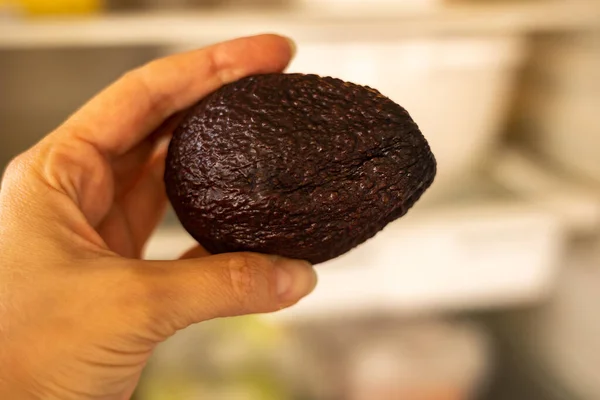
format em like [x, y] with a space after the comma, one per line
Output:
[187, 291]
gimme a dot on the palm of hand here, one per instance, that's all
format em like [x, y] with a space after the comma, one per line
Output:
[76, 211]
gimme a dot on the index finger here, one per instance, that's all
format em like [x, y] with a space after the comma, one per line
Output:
[123, 114]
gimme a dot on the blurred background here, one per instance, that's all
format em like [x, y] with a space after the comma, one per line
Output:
[488, 289]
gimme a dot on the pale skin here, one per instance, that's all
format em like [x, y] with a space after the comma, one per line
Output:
[80, 311]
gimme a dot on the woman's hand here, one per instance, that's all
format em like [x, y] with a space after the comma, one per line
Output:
[80, 313]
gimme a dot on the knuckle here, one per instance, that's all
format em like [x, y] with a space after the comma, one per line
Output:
[35, 161]
[142, 77]
[58, 161]
[18, 173]
[137, 76]
[134, 73]
[220, 66]
[248, 276]
[68, 168]
[17, 166]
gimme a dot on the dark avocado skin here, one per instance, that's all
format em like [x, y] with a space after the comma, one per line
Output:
[296, 165]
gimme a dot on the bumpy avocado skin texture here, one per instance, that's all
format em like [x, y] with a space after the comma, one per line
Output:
[301, 166]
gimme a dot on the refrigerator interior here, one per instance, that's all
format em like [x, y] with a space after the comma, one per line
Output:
[428, 308]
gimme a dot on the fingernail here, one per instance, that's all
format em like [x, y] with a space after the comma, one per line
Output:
[294, 279]
[293, 47]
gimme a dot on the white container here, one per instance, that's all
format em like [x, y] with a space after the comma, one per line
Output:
[457, 90]
[562, 103]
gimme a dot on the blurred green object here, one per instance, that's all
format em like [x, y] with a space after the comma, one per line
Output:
[225, 359]
[250, 389]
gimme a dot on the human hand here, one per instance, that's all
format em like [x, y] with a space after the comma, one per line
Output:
[80, 313]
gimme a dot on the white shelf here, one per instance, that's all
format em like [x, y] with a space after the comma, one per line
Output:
[483, 254]
[304, 24]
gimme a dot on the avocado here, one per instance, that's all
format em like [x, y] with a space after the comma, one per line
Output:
[296, 165]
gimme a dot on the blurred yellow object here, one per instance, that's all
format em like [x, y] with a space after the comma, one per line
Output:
[62, 7]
